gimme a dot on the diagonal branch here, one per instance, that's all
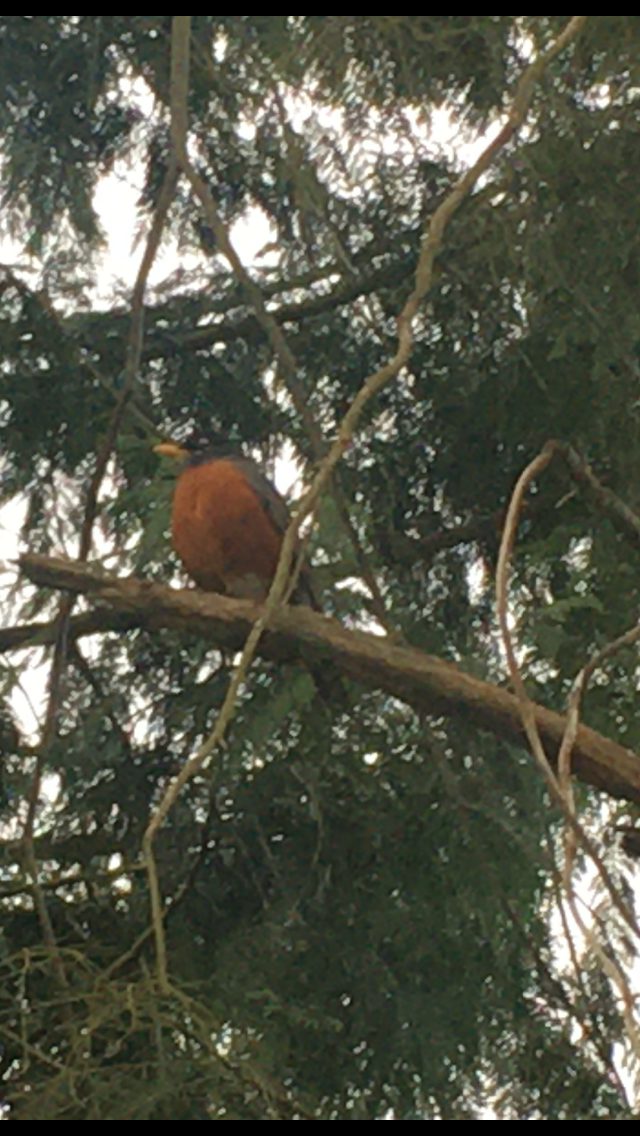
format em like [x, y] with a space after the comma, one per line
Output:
[430, 247]
[58, 666]
[426, 682]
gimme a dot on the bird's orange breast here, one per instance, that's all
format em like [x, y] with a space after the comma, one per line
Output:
[221, 532]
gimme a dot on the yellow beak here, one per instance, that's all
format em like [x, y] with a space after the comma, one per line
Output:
[171, 450]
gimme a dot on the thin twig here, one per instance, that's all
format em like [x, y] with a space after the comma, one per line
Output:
[614, 974]
[577, 690]
[625, 520]
[58, 666]
[180, 53]
[573, 721]
[527, 710]
[134, 349]
[592, 1031]
[535, 467]
[32, 1050]
[180, 45]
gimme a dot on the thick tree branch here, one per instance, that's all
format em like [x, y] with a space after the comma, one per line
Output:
[425, 682]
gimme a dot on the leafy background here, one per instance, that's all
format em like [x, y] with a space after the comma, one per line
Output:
[363, 924]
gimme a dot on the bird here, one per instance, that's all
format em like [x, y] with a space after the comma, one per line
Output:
[228, 521]
[227, 526]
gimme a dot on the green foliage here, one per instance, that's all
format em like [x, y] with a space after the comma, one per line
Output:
[358, 900]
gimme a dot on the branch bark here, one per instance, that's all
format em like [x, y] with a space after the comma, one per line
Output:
[425, 682]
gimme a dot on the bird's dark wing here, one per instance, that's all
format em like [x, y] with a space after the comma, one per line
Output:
[273, 504]
[277, 510]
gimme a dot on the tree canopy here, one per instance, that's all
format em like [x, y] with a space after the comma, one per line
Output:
[382, 905]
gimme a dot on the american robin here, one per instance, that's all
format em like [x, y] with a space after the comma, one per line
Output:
[227, 525]
[228, 521]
